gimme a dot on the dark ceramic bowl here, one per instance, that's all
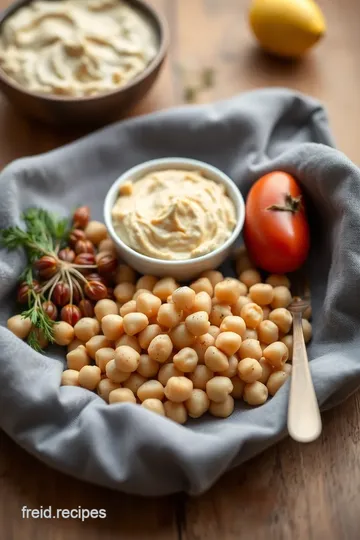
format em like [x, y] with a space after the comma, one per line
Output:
[92, 110]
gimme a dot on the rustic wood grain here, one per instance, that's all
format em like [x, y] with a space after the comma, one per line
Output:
[290, 492]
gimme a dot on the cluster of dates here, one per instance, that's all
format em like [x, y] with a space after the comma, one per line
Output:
[72, 279]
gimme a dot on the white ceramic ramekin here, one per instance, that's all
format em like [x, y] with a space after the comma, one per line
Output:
[181, 270]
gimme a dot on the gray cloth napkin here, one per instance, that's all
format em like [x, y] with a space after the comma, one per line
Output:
[126, 447]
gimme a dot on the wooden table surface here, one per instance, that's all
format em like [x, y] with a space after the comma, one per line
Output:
[289, 492]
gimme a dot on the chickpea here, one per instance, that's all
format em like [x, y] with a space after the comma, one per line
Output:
[202, 285]
[201, 344]
[215, 359]
[250, 277]
[166, 372]
[164, 287]
[135, 323]
[275, 381]
[231, 371]
[223, 409]
[154, 405]
[186, 360]
[197, 404]
[96, 232]
[250, 333]
[266, 312]
[214, 331]
[261, 293]
[288, 340]
[228, 342]
[103, 356]
[75, 344]
[134, 382]
[126, 359]
[307, 330]
[178, 389]
[124, 292]
[183, 298]
[202, 302]
[122, 395]
[252, 315]
[160, 348]
[105, 307]
[266, 370]
[125, 274]
[268, 332]
[278, 280]
[218, 313]
[198, 323]
[138, 292]
[214, 276]
[128, 307]
[130, 341]
[255, 393]
[233, 323]
[307, 313]
[95, 343]
[200, 376]
[168, 316]
[19, 326]
[104, 388]
[146, 282]
[148, 304]
[181, 337]
[219, 388]
[147, 335]
[112, 327]
[249, 370]
[147, 367]
[89, 377]
[229, 290]
[243, 263]
[282, 297]
[77, 358]
[276, 354]
[239, 386]
[241, 302]
[86, 328]
[151, 390]
[114, 374]
[176, 412]
[282, 318]
[107, 246]
[70, 377]
[250, 348]
[64, 332]
[287, 368]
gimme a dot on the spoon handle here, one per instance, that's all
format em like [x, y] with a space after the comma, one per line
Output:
[304, 420]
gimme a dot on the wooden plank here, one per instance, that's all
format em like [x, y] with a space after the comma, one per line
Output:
[24, 481]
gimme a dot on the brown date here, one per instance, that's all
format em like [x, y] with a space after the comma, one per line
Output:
[81, 217]
[50, 310]
[107, 264]
[86, 308]
[61, 294]
[71, 314]
[75, 236]
[95, 290]
[46, 266]
[84, 246]
[24, 289]
[67, 255]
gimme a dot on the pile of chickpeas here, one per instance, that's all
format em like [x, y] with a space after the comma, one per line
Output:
[183, 351]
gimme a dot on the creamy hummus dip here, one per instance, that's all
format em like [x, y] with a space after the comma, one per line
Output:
[76, 47]
[174, 215]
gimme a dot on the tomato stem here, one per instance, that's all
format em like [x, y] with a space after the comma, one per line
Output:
[291, 204]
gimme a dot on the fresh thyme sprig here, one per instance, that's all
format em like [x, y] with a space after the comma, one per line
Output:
[43, 235]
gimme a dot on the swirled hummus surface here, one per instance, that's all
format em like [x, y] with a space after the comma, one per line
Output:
[76, 47]
[174, 215]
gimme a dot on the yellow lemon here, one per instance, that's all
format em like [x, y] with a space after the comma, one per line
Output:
[287, 27]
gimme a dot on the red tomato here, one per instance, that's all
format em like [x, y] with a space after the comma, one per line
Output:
[276, 230]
